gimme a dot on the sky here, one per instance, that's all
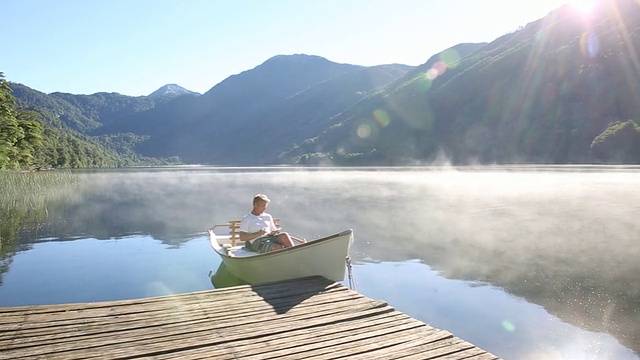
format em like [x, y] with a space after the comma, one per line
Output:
[134, 47]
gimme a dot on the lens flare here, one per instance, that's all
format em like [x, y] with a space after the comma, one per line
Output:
[440, 67]
[436, 70]
[364, 131]
[381, 117]
[432, 74]
[508, 325]
[422, 83]
[589, 45]
[451, 58]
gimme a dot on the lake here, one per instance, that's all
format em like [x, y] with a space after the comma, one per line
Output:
[527, 262]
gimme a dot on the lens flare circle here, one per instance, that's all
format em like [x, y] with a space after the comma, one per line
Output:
[381, 117]
[422, 83]
[440, 67]
[364, 131]
[589, 45]
[508, 325]
[432, 74]
[451, 58]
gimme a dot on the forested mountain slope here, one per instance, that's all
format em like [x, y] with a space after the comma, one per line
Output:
[250, 118]
[565, 89]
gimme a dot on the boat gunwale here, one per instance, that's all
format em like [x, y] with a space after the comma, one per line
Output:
[284, 251]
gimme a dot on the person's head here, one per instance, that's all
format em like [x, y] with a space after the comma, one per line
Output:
[260, 203]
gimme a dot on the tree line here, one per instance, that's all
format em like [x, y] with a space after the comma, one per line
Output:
[29, 140]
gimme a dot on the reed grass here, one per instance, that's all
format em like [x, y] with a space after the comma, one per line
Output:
[24, 198]
[17, 186]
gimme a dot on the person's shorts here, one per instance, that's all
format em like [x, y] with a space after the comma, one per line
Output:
[262, 244]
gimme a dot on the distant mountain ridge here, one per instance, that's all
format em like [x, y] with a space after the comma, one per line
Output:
[526, 97]
[206, 128]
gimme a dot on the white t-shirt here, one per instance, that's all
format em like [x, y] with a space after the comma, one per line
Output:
[251, 223]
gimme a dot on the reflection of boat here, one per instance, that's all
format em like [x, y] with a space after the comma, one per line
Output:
[224, 278]
[324, 256]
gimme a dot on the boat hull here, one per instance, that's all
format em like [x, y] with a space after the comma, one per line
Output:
[324, 257]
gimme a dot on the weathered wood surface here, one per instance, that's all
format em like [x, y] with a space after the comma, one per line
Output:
[310, 318]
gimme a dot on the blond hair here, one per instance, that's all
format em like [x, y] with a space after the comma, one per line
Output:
[260, 197]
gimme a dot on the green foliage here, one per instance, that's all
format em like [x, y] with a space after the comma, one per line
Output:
[618, 144]
[26, 196]
[34, 133]
[83, 113]
[19, 133]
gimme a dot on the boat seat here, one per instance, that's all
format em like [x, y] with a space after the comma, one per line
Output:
[234, 230]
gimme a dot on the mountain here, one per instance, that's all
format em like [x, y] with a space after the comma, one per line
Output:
[172, 90]
[564, 89]
[269, 108]
[266, 109]
[85, 112]
[65, 120]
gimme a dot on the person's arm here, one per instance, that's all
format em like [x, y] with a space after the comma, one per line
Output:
[245, 236]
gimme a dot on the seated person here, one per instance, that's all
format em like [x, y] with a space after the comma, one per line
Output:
[258, 230]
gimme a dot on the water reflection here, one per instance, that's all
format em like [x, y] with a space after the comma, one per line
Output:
[223, 278]
[89, 270]
[562, 240]
[485, 313]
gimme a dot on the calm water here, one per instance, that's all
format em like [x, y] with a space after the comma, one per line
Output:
[528, 262]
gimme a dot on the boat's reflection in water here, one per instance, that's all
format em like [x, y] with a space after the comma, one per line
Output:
[223, 278]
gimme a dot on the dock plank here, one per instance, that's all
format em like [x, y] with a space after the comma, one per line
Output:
[311, 318]
[185, 318]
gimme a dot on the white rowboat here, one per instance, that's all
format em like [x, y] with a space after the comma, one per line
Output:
[324, 256]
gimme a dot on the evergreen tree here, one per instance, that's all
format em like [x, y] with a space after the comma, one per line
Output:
[10, 131]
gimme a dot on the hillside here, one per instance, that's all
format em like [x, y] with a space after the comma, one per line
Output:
[59, 141]
[563, 89]
[543, 94]
[282, 101]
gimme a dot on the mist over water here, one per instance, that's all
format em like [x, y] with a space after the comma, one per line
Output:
[558, 246]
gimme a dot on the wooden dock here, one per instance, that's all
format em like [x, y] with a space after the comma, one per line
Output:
[310, 318]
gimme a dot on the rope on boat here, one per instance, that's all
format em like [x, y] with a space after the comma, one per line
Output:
[352, 282]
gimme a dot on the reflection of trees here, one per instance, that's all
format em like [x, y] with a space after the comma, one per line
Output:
[597, 296]
[23, 207]
[113, 205]
[19, 220]
[115, 212]
[566, 245]
[593, 286]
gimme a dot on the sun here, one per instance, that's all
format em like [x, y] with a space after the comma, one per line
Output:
[583, 6]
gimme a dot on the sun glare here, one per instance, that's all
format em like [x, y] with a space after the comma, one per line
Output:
[584, 6]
